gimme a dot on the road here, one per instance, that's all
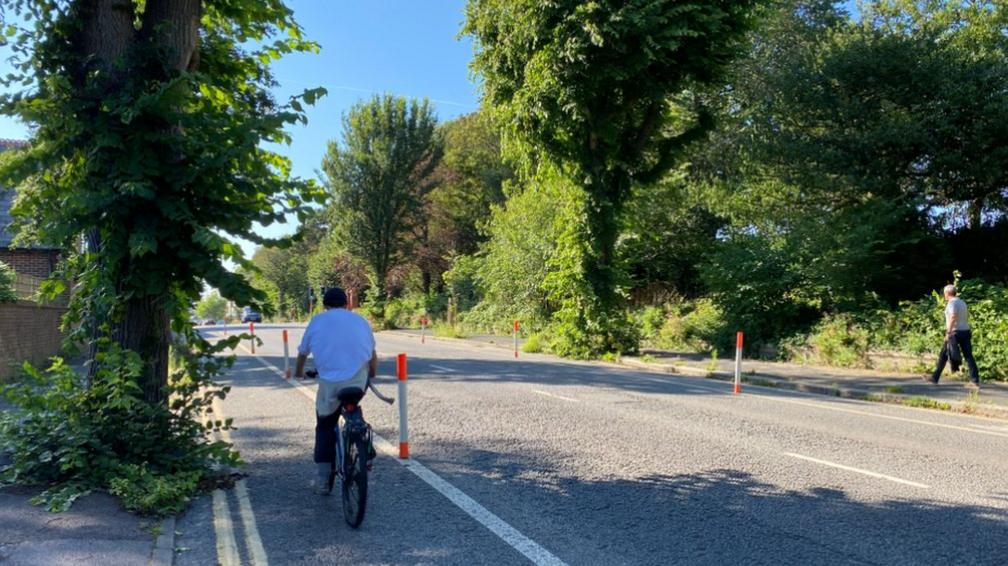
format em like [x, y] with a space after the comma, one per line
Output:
[553, 461]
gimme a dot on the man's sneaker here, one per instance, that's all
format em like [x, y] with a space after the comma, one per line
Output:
[929, 379]
[972, 386]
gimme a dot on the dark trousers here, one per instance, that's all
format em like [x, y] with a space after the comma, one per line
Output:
[964, 341]
[325, 437]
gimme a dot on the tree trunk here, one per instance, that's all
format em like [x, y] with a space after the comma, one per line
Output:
[145, 328]
[107, 39]
[603, 211]
[974, 214]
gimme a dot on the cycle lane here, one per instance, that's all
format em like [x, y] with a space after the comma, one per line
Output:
[407, 521]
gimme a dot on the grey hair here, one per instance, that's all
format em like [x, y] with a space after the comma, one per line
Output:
[951, 290]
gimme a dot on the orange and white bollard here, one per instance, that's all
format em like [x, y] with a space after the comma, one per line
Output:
[516, 326]
[252, 332]
[403, 430]
[287, 371]
[738, 363]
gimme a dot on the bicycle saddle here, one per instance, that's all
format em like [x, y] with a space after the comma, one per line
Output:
[351, 395]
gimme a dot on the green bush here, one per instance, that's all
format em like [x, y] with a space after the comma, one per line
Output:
[650, 321]
[70, 437]
[533, 344]
[914, 328]
[690, 326]
[462, 282]
[839, 340]
[405, 311]
[7, 278]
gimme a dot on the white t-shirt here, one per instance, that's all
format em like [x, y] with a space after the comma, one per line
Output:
[341, 342]
[957, 306]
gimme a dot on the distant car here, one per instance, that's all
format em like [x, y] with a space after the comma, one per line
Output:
[209, 322]
[249, 315]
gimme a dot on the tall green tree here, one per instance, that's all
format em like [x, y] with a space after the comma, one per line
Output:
[147, 128]
[606, 89]
[212, 306]
[378, 176]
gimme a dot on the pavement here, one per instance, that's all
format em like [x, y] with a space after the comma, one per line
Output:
[553, 461]
[96, 530]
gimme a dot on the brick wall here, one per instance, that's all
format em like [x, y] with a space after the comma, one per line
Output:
[37, 263]
[28, 331]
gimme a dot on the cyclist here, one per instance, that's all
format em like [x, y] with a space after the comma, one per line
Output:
[344, 349]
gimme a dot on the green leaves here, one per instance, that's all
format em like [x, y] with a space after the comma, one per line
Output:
[378, 177]
[605, 91]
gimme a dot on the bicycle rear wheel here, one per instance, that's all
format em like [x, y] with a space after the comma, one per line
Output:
[354, 484]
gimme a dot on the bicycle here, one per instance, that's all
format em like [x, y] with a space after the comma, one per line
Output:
[354, 451]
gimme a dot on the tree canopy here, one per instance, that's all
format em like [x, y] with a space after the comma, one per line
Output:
[378, 177]
[606, 90]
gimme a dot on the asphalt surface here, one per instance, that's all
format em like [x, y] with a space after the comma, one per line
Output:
[596, 464]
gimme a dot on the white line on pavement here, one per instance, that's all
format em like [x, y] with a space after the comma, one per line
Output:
[528, 547]
[252, 539]
[227, 548]
[548, 394]
[442, 368]
[253, 542]
[881, 416]
[858, 470]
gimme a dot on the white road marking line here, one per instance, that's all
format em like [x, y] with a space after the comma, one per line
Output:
[252, 539]
[548, 394]
[253, 542]
[858, 470]
[528, 547]
[881, 416]
[442, 368]
[227, 548]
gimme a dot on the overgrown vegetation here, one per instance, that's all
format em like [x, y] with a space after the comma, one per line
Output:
[71, 437]
[7, 279]
[146, 161]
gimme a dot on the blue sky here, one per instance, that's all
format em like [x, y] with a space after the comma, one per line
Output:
[405, 47]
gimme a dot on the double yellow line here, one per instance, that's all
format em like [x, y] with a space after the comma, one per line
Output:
[227, 546]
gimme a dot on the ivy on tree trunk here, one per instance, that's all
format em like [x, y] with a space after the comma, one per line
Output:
[147, 124]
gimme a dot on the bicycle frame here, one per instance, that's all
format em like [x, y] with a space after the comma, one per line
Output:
[354, 412]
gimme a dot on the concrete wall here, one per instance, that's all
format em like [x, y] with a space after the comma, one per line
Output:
[28, 331]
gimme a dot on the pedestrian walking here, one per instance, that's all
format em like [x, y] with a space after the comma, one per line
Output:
[958, 339]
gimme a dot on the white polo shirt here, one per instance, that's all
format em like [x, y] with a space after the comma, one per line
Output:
[341, 342]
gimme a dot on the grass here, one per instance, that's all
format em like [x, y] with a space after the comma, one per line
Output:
[612, 357]
[970, 402]
[712, 365]
[448, 331]
[893, 389]
[926, 403]
[532, 345]
[648, 359]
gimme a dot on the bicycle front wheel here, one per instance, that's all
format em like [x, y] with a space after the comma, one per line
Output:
[355, 482]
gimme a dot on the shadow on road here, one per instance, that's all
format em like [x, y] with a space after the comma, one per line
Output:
[539, 372]
[714, 516]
